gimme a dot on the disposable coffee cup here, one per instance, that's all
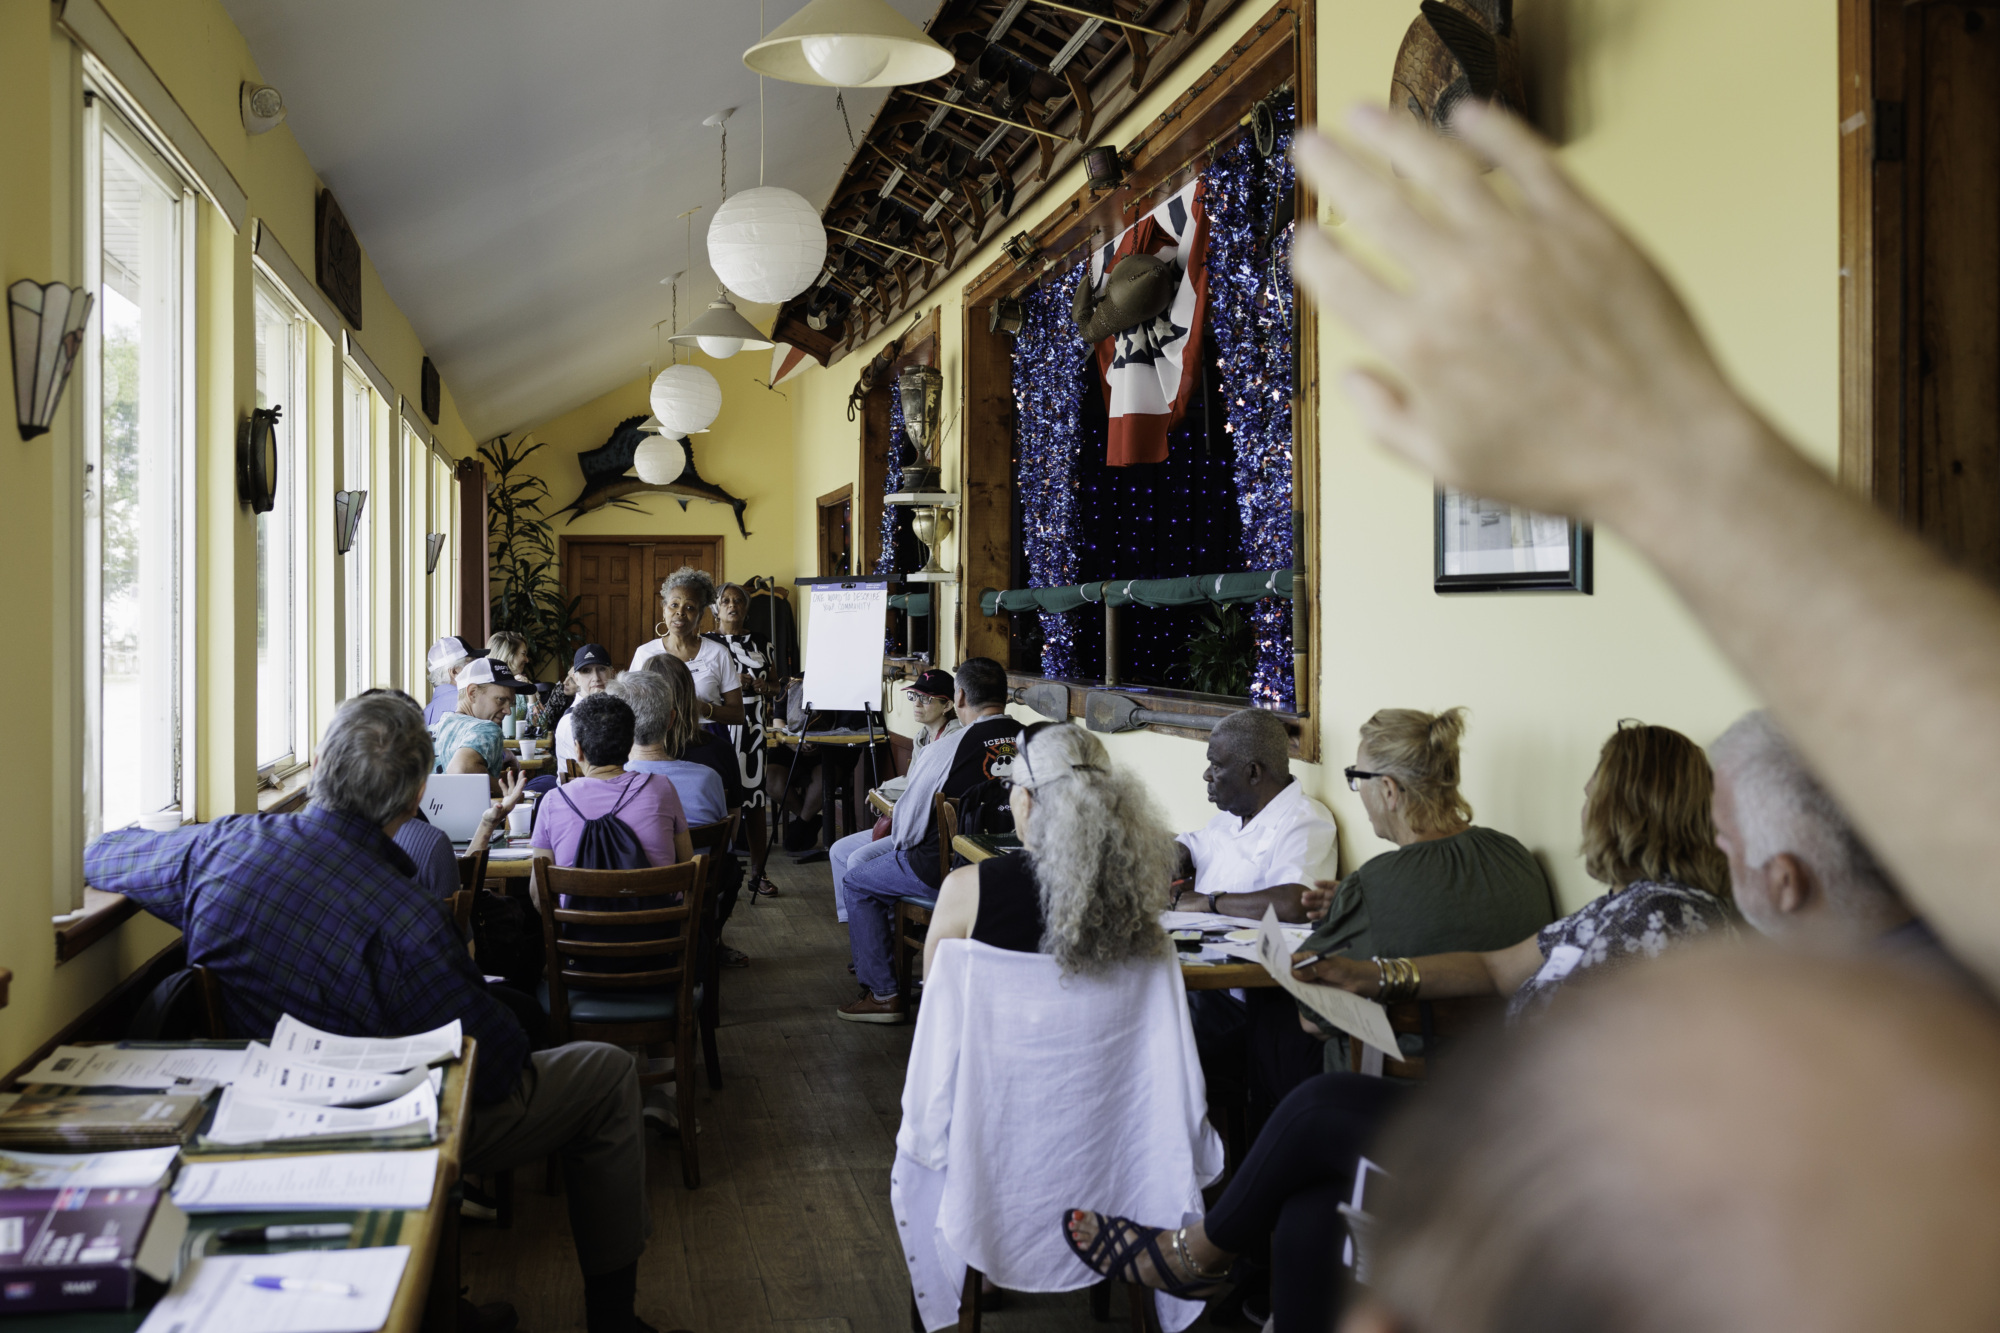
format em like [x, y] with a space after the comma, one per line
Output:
[520, 820]
[528, 744]
[160, 821]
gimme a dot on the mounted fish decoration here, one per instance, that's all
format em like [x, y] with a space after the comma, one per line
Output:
[1140, 288]
[1458, 49]
[607, 479]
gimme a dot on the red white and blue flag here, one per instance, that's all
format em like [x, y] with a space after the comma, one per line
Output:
[1150, 370]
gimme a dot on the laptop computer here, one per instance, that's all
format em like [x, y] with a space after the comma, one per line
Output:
[455, 801]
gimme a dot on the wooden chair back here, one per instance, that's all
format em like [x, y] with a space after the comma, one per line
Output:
[944, 811]
[718, 837]
[714, 841]
[471, 879]
[211, 1003]
[571, 771]
[1439, 1023]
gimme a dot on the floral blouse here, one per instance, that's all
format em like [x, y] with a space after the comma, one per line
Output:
[1642, 920]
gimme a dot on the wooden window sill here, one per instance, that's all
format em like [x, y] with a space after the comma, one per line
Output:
[288, 797]
[102, 914]
[1298, 725]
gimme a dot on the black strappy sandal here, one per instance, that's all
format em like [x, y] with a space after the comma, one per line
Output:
[1120, 1243]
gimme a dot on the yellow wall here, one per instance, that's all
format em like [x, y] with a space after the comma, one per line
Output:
[1708, 128]
[747, 452]
[199, 55]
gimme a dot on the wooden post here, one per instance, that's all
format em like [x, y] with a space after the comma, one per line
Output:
[1113, 648]
[475, 600]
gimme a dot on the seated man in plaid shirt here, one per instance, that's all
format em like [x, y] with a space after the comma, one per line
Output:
[316, 915]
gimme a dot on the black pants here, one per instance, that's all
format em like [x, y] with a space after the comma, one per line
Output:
[1287, 1194]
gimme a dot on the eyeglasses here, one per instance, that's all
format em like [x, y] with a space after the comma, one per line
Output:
[1356, 776]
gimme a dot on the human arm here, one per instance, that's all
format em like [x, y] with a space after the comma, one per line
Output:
[1534, 355]
[729, 712]
[495, 815]
[956, 913]
[149, 868]
[1286, 898]
[683, 845]
[1441, 976]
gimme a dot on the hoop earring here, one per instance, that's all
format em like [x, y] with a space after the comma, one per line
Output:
[659, 629]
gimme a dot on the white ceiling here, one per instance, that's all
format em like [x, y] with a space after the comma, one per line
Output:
[514, 168]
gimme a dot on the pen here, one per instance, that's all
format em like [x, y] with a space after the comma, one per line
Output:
[260, 1235]
[304, 1286]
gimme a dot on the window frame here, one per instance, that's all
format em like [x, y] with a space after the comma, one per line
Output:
[1181, 139]
[356, 604]
[105, 114]
[293, 490]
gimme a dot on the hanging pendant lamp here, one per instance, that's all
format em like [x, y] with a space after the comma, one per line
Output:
[659, 461]
[766, 244]
[849, 44]
[686, 399]
[721, 331]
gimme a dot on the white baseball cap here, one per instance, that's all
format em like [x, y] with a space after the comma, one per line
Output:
[446, 651]
[487, 671]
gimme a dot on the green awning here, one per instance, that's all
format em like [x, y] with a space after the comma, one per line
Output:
[916, 603]
[1218, 589]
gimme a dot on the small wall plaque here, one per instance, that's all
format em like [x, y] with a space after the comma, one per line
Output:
[432, 392]
[337, 259]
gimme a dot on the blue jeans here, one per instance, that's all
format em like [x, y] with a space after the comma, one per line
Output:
[872, 890]
[853, 850]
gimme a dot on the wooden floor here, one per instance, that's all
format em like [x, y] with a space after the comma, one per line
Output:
[791, 1228]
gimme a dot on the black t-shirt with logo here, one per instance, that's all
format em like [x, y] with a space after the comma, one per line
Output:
[984, 749]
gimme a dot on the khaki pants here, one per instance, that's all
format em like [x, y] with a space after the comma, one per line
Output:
[580, 1101]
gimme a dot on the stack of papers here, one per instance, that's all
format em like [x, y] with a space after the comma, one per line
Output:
[331, 1291]
[245, 1118]
[159, 1068]
[266, 1074]
[96, 1121]
[95, 1171]
[326, 1182]
[294, 1040]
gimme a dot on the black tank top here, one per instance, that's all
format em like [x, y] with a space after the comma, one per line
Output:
[1010, 905]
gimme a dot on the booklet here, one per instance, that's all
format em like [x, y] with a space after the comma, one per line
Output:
[318, 1182]
[140, 1169]
[267, 1075]
[1352, 1014]
[84, 1249]
[298, 1041]
[245, 1118]
[230, 1293]
[84, 1120]
[160, 1068]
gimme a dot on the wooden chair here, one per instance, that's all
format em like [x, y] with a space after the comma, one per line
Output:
[647, 1008]
[714, 841]
[1139, 1298]
[914, 913]
[1438, 1022]
[571, 771]
[471, 879]
[211, 1003]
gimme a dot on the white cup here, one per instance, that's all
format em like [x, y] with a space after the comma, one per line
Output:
[160, 821]
[520, 819]
[528, 744]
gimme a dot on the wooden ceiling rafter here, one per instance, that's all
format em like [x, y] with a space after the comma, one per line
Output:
[919, 157]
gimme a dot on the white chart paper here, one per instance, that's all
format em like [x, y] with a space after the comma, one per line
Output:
[214, 1295]
[176, 1069]
[139, 1168]
[294, 1040]
[325, 1181]
[244, 1117]
[1350, 1013]
[267, 1075]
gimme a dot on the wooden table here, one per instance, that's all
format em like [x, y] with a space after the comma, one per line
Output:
[849, 739]
[430, 1232]
[513, 867]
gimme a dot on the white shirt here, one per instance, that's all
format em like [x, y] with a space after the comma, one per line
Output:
[713, 668]
[566, 743]
[1291, 841]
[1029, 1093]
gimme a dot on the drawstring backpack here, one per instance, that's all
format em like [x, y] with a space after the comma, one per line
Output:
[607, 842]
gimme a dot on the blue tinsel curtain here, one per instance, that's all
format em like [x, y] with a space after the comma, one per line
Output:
[1221, 502]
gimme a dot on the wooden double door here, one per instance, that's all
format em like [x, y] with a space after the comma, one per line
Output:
[618, 581]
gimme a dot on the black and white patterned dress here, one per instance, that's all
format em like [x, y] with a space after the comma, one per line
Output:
[1642, 920]
[753, 665]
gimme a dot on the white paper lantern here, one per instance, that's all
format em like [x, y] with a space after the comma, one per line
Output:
[766, 244]
[659, 460]
[685, 399]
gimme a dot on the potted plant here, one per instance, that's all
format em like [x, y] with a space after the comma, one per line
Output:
[521, 554]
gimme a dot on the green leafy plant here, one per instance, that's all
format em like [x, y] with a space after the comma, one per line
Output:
[1222, 656]
[521, 555]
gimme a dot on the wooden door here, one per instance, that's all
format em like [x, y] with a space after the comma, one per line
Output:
[836, 528]
[1920, 251]
[617, 580]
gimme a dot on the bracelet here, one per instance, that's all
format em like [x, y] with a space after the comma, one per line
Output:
[1397, 980]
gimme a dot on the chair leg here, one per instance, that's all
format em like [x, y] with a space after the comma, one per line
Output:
[1100, 1302]
[1145, 1313]
[711, 1016]
[968, 1302]
[684, 1106]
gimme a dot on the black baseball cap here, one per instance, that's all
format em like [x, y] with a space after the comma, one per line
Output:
[935, 683]
[491, 671]
[591, 654]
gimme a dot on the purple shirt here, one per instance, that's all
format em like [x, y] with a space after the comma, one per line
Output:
[426, 845]
[653, 813]
[443, 700]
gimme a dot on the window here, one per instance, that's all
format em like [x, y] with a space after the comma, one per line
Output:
[281, 383]
[138, 255]
[444, 619]
[356, 447]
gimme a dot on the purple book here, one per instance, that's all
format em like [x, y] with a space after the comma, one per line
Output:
[71, 1249]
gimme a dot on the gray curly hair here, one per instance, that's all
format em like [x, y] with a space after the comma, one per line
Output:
[696, 581]
[1102, 853]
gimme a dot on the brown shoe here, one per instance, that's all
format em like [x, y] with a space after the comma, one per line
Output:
[868, 1009]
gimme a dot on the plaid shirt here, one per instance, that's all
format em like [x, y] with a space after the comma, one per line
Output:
[313, 915]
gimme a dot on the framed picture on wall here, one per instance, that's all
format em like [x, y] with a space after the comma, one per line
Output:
[1488, 546]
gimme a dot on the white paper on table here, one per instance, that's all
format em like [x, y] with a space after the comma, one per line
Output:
[509, 853]
[1202, 921]
[157, 1069]
[214, 1295]
[1350, 1013]
[139, 1168]
[244, 1117]
[267, 1075]
[294, 1040]
[323, 1181]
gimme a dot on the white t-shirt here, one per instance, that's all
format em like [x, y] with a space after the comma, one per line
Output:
[713, 668]
[1290, 841]
[566, 743]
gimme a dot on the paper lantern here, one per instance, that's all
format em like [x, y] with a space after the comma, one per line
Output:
[659, 460]
[766, 244]
[685, 399]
